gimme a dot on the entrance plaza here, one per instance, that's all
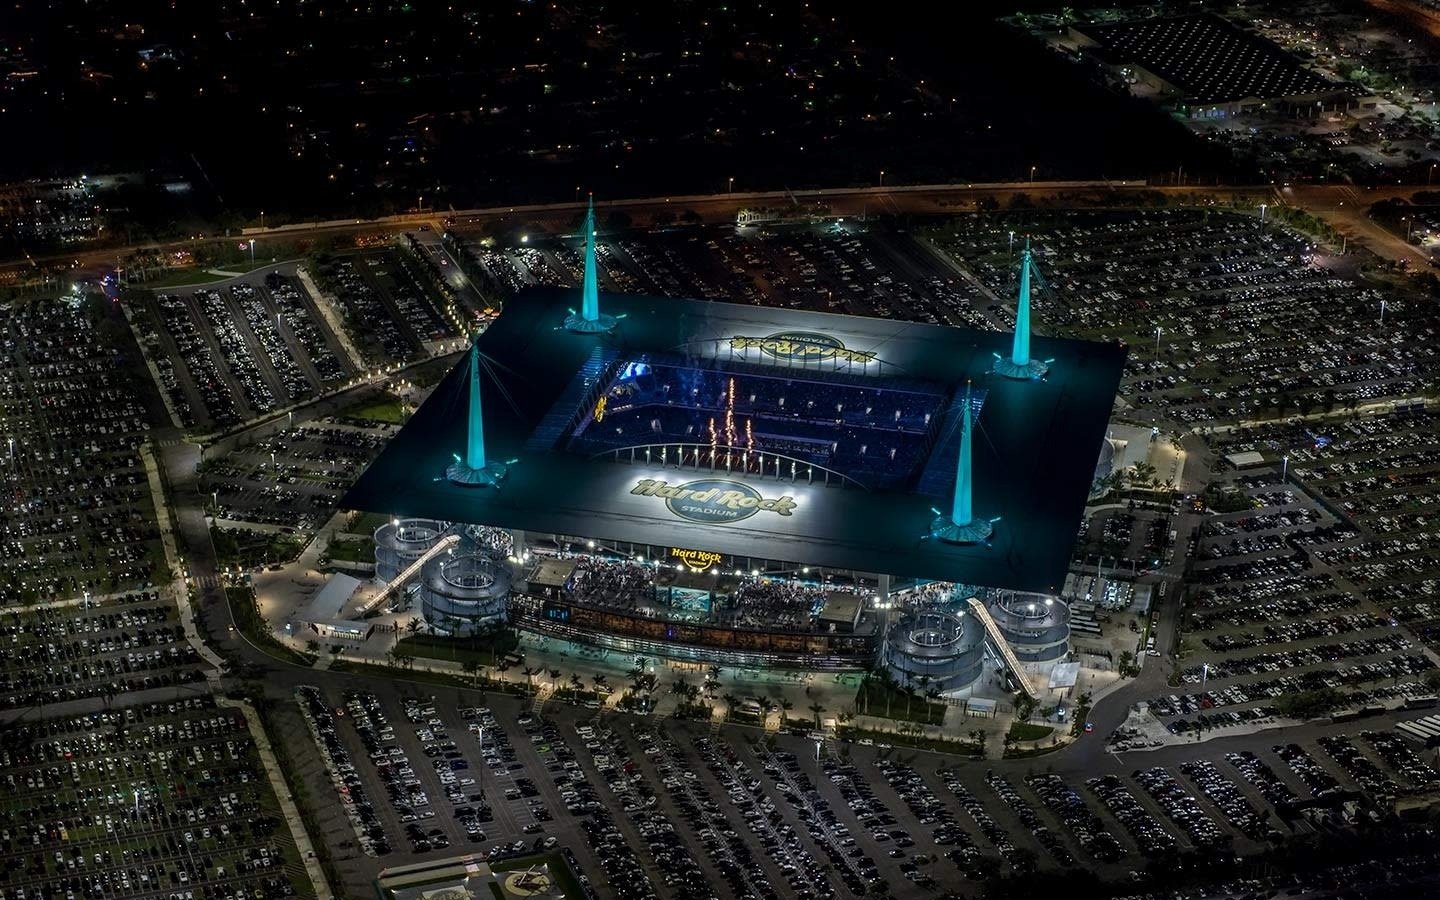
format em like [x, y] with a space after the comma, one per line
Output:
[808, 699]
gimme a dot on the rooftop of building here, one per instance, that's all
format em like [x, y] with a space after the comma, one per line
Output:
[1209, 59]
[1034, 454]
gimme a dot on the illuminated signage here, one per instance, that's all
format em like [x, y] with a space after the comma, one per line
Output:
[697, 560]
[801, 346]
[713, 501]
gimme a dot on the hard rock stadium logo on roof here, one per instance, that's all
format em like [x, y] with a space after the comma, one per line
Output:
[801, 346]
[713, 501]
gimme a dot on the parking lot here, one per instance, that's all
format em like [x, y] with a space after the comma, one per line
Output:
[843, 267]
[129, 643]
[164, 799]
[678, 809]
[240, 349]
[1227, 317]
[292, 479]
[1320, 583]
[77, 515]
[389, 307]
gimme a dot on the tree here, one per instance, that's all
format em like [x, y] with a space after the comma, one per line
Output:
[470, 666]
[817, 709]
[413, 626]
[530, 674]
[576, 681]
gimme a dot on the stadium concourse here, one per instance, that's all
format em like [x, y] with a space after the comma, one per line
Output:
[749, 487]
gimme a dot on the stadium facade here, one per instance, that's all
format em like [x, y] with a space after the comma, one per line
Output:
[737, 452]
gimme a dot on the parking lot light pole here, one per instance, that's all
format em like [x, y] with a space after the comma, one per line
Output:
[1382, 312]
[252, 255]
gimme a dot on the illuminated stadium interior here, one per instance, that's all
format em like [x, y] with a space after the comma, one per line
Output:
[875, 432]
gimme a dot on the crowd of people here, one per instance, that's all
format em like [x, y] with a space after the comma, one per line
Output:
[773, 604]
[753, 603]
[610, 583]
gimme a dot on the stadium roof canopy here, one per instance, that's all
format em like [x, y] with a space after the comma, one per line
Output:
[1035, 448]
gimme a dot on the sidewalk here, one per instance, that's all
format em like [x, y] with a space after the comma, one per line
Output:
[282, 794]
[179, 585]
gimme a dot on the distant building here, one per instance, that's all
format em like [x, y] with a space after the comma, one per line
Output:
[1208, 66]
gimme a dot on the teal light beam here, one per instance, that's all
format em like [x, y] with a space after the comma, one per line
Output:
[961, 512]
[1020, 349]
[475, 436]
[590, 287]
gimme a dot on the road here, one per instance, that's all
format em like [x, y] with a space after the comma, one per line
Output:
[711, 208]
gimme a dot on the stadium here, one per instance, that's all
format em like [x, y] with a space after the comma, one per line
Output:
[742, 485]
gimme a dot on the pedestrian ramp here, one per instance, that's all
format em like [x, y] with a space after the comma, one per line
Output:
[412, 570]
[1002, 648]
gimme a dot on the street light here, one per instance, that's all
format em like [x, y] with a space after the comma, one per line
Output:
[1032, 174]
[1262, 214]
[1157, 345]
[252, 257]
[1012, 243]
[882, 177]
[731, 188]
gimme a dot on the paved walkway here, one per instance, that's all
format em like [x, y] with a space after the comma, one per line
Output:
[329, 309]
[179, 586]
[282, 794]
[150, 364]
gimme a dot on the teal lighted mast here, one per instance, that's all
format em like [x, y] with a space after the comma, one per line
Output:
[1019, 365]
[589, 320]
[961, 526]
[474, 469]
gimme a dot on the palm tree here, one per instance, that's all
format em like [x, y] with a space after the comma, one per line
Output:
[530, 676]
[680, 686]
[554, 676]
[413, 626]
[817, 709]
[470, 666]
[576, 681]
[785, 706]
